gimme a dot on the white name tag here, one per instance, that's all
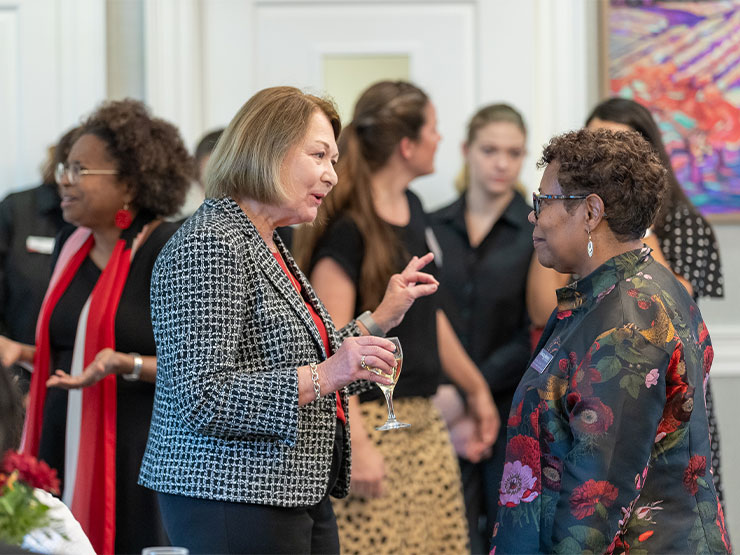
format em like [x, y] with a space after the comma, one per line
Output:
[542, 360]
[42, 245]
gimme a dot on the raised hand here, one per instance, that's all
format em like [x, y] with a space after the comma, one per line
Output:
[402, 290]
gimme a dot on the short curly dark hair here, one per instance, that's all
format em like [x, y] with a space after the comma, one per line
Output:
[148, 151]
[621, 167]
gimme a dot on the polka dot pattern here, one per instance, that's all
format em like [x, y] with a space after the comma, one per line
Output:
[689, 245]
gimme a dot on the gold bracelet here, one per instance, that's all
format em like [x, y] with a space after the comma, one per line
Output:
[315, 380]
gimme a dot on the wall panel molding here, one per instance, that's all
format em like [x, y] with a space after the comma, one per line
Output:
[173, 64]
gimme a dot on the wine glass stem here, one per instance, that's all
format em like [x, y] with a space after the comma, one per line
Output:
[389, 401]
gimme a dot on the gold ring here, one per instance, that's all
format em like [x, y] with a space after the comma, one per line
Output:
[362, 363]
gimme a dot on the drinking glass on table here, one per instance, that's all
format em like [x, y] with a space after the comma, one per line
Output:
[392, 423]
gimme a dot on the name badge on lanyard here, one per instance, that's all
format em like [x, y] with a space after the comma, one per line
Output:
[541, 361]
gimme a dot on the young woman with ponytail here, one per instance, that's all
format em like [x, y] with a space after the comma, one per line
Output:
[405, 491]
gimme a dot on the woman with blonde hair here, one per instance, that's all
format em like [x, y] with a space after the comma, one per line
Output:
[405, 495]
[250, 433]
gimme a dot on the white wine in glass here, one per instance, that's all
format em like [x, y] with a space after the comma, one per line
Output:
[392, 423]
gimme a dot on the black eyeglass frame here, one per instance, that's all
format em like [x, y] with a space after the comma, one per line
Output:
[537, 200]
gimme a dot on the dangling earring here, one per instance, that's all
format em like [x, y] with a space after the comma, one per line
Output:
[123, 217]
[590, 246]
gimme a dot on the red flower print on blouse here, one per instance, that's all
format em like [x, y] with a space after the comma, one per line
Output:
[586, 497]
[703, 332]
[584, 377]
[696, 468]
[572, 399]
[591, 416]
[644, 304]
[534, 421]
[679, 396]
[516, 418]
[618, 545]
[564, 314]
[720, 522]
[633, 293]
[526, 449]
[645, 535]
[708, 358]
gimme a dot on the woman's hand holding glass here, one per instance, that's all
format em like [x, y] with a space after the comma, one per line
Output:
[346, 365]
[402, 290]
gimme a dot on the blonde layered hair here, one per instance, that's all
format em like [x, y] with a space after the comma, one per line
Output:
[247, 159]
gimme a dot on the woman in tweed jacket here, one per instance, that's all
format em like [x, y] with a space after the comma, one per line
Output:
[249, 433]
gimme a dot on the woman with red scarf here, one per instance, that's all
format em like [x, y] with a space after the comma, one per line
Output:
[125, 171]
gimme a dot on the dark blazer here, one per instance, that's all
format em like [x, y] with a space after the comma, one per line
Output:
[230, 333]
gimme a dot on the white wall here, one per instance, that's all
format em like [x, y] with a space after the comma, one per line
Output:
[52, 62]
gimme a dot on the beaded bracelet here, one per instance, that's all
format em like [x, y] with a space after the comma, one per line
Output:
[315, 380]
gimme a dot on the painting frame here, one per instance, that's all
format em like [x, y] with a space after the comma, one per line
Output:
[708, 169]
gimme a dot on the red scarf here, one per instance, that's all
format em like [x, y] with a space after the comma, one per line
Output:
[90, 465]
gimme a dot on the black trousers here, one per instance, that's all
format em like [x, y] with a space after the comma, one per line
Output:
[212, 526]
[481, 483]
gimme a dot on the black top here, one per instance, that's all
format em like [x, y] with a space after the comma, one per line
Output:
[24, 275]
[688, 243]
[137, 516]
[482, 290]
[344, 243]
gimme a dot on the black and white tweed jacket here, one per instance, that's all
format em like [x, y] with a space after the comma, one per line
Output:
[230, 333]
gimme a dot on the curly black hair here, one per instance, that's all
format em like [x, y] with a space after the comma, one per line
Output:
[621, 167]
[149, 152]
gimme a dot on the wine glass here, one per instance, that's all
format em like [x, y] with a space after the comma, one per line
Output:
[392, 423]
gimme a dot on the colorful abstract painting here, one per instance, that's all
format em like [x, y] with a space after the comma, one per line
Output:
[682, 60]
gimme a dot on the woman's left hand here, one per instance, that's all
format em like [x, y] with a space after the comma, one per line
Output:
[482, 409]
[106, 362]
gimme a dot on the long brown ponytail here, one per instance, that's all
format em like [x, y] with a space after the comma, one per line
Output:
[385, 113]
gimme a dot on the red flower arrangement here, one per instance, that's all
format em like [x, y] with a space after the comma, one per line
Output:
[586, 498]
[20, 511]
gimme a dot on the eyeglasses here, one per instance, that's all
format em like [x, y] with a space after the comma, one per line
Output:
[74, 172]
[537, 200]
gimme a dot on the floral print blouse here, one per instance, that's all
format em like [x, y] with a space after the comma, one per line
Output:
[608, 441]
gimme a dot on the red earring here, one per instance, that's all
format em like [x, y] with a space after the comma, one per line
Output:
[123, 217]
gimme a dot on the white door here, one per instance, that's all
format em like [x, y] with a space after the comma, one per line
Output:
[295, 44]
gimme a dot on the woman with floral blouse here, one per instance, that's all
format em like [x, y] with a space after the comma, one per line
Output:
[608, 441]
